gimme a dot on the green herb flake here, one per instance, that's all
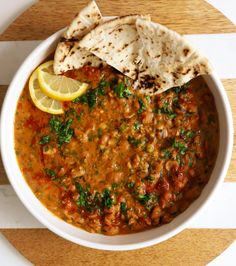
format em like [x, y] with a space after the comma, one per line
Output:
[79, 116]
[142, 106]
[188, 134]
[44, 140]
[149, 200]
[134, 142]
[165, 109]
[91, 96]
[166, 153]
[99, 132]
[86, 199]
[137, 125]
[107, 200]
[123, 208]
[155, 110]
[63, 130]
[50, 172]
[122, 91]
[148, 98]
[180, 146]
[123, 127]
[176, 102]
[149, 178]
[131, 185]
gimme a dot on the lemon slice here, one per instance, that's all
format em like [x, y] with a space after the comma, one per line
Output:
[40, 99]
[59, 87]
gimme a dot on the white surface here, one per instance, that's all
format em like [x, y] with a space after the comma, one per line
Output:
[227, 7]
[227, 258]
[220, 50]
[9, 256]
[12, 54]
[10, 9]
[14, 215]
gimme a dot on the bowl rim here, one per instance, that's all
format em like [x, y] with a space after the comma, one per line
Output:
[44, 46]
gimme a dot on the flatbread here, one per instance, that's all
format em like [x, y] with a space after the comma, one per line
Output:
[165, 59]
[116, 43]
[68, 54]
[88, 18]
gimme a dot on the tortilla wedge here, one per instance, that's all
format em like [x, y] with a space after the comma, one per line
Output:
[68, 54]
[116, 43]
[165, 59]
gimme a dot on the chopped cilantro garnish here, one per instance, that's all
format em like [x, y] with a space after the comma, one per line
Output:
[166, 110]
[123, 208]
[180, 146]
[44, 140]
[122, 91]
[107, 200]
[99, 132]
[182, 89]
[188, 134]
[123, 126]
[63, 130]
[148, 98]
[149, 178]
[176, 102]
[72, 112]
[130, 184]
[142, 106]
[86, 199]
[166, 153]
[155, 110]
[134, 142]
[137, 125]
[149, 200]
[91, 95]
[50, 172]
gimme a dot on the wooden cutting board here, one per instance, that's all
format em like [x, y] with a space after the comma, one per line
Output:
[192, 246]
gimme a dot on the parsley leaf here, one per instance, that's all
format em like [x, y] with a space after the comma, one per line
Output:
[180, 146]
[142, 106]
[122, 91]
[166, 110]
[130, 184]
[149, 200]
[44, 140]
[86, 199]
[137, 125]
[50, 172]
[134, 142]
[149, 178]
[123, 208]
[91, 96]
[188, 134]
[107, 200]
[166, 153]
[63, 130]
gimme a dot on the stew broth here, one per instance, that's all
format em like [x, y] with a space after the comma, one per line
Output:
[117, 161]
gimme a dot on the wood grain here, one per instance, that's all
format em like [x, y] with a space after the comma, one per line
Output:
[42, 247]
[184, 16]
[230, 86]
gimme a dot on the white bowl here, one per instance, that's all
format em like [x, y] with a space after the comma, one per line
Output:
[76, 235]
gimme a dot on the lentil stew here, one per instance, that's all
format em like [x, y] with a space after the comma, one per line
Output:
[118, 161]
